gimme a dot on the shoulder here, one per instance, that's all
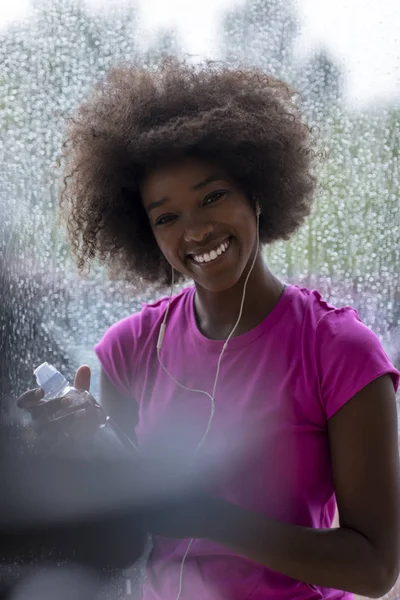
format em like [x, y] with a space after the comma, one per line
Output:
[339, 328]
[311, 307]
[347, 355]
[126, 344]
[145, 324]
[325, 322]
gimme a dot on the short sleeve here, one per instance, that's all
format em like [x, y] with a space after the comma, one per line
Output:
[115, 352]
[348, 356]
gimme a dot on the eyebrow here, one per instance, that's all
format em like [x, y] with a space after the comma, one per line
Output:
[194, 188]
[209, 179]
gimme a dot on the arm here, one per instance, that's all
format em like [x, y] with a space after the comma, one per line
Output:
[363, 554]
[122, 410]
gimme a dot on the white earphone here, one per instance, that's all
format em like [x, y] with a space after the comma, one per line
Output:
[211, 396]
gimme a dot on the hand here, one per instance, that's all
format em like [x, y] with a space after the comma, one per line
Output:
[75, 422]
[199, 516]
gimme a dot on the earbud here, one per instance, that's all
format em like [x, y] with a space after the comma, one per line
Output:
[258, 210]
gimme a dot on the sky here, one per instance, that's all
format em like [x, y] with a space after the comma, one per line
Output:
[363, 35]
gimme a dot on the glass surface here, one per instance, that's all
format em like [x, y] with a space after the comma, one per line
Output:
[344, 57]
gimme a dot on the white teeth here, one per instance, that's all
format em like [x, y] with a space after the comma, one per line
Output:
[212, 255]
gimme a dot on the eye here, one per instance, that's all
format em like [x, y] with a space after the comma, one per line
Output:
[214, 197]
[164, 220]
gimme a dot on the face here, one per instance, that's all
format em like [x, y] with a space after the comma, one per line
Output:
[202, 221]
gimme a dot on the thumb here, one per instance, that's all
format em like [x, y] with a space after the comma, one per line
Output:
[82, 378]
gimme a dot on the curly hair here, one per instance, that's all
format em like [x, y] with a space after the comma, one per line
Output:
[245, 121]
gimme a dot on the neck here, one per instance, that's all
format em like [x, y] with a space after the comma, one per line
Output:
[217, 312]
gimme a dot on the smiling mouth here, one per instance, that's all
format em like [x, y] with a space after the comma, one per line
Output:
[212, 255]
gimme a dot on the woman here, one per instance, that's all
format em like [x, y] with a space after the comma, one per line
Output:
[188, 171]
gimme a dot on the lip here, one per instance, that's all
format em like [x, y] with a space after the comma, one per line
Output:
[205, 265]
[207, 249]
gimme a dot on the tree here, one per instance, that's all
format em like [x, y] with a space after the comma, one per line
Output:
[166, 43]
[320, 80]
[260, 33]
[50, 62]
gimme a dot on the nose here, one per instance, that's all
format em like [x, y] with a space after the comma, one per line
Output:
[197, 230]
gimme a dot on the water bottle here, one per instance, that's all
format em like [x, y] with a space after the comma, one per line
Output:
[105, 437]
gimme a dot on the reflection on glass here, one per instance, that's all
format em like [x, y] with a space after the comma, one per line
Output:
[349, 248]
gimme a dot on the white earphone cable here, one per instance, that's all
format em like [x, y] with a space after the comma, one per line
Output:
[211, 396]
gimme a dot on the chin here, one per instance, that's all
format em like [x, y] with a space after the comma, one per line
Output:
[218, 284]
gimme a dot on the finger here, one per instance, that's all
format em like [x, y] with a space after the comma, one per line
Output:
[54, 427]
[82, 378]
[77, 424]
[30, 398]
[50, 408]
[81, 414]
[81, 422]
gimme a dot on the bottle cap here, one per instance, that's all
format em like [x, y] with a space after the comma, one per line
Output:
[48, 378]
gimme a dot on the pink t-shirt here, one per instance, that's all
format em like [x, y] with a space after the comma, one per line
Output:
[287, 376]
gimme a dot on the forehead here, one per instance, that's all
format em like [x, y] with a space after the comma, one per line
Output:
[180, 175]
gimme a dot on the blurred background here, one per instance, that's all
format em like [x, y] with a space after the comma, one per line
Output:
[342, 56]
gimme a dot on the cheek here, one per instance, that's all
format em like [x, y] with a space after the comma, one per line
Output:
[244, 221]
[239, 213]
[168, 246]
